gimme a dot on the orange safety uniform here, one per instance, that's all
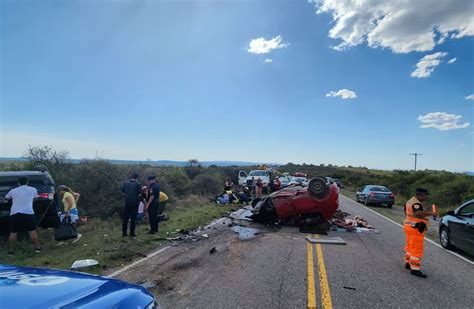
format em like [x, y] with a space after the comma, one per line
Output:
[415, 228]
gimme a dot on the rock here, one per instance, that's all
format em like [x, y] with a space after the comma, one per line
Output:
[205, 235]
[213, 250]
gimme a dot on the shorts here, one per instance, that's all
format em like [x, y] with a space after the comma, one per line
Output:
[22, 223]
[73, 214]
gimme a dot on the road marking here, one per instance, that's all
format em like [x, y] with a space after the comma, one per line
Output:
[323, 279]
[121, 270]
[311, 285]
[427, 239]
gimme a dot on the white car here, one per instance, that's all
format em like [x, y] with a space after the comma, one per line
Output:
[298, 181]
[246, 179]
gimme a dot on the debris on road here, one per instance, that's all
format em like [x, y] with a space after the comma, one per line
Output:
[148, 284]
[205, 235]
[326, 241]
[84, 263]
[246, 233]
[242, 214]
[349, 288]
[358, 224]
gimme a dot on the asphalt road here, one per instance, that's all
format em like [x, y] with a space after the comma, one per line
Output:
[280, 270]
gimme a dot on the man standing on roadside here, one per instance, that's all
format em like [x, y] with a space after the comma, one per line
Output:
[415, 227]
[22, 215]
[132, 191]
[152, 204]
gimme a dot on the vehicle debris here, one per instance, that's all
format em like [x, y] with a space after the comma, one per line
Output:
[349, 288]
[205, 235]
[246, 233]
[84, 263]
[326, 241]
[358, 224]
[242, 214]
[148, 284]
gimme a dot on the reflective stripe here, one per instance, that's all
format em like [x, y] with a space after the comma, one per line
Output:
[415, 258]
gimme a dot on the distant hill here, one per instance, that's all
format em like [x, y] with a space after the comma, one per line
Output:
[157, 162]
[469, 173]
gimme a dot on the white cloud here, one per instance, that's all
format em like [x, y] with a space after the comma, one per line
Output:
[268, 60]
[470, 97]
[442, 121]
[343, 93]
[403, 26]
[428, 64]
[262, 46]
[452, 60]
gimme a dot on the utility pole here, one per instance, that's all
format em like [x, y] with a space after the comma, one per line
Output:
[416, 157]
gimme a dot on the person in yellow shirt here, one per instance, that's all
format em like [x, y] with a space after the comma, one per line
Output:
[161, 207]
[69, 200]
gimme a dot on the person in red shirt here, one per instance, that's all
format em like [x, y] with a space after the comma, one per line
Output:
[277, 184]
[259, 188]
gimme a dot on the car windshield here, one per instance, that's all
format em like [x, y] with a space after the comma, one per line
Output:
[258, 173]
[378, 189]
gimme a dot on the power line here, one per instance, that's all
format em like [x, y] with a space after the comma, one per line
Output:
[416, 157]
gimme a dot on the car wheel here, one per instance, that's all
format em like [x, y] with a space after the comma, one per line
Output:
[366, 202]
[444, 238]
[390, 205]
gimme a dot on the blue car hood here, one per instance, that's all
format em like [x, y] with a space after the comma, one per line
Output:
[27, 287]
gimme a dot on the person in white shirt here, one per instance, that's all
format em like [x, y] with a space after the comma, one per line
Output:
[22, 215]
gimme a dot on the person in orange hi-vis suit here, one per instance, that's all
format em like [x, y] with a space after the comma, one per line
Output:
[415, 226]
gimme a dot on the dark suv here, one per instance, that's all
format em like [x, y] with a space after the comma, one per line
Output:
[46, 210]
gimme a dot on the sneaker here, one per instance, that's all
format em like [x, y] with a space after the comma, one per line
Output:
[407, 266]
[151, 232]
[124, 234]
[38, 250]
[418, 273]
[133, 235]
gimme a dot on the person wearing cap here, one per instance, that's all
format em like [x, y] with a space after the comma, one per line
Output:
[152, 204]
[415, 227]
[132, 191]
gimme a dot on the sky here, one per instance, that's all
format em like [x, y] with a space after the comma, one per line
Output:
[362, 83]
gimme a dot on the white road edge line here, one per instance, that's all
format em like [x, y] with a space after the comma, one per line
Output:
[161, 250]
[427, 239]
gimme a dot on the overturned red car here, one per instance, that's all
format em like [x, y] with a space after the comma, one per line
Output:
[298, 205]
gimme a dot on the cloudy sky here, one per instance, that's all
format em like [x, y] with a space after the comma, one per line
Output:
[328, 81]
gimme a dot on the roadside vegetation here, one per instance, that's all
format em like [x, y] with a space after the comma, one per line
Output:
[189, 189]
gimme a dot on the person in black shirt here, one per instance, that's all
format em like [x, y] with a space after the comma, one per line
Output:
[132, 192]
[152, 204]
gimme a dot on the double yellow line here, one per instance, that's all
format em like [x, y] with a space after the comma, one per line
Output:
[322, 275]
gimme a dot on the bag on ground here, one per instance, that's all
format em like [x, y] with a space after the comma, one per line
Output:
[66, 230]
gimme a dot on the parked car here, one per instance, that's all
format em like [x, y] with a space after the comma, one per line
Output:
[456, 229]
[46, 210]
[246, 179]
[375, 195]
[28, 287]
[298, 180]
[285, 180]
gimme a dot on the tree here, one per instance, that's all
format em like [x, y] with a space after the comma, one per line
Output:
[193, 163]
[45, 155]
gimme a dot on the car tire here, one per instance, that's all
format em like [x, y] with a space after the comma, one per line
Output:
[366, 202]
[444, 238]
[390, 205]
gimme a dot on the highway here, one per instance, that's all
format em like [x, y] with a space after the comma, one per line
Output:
[279, 269]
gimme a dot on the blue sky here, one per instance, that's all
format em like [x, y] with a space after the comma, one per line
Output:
[179, 80]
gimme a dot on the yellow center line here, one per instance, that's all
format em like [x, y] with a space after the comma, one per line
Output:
[323, 279]
[311, 285]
